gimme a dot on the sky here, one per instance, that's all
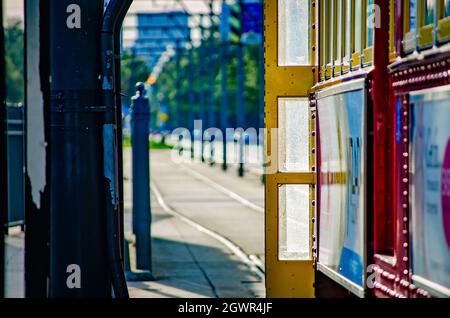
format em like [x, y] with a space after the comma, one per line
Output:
[13, 10]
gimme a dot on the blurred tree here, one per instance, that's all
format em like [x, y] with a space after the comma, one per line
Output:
[167, 83]
[134, 69]
[14, 60]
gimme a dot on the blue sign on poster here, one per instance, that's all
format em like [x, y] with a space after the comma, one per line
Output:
[252, 17]
[252, 22]
[342, 182]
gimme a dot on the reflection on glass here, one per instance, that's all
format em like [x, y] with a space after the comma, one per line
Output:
[294, 227]
[339, 30]
[430, 189]
[331, 30]
[413, 15]
[358, 25]
[429, 12]
[447, 8]
[341, 229]
[348, 28]
[293, 134]
[293, 32]
[371, 15]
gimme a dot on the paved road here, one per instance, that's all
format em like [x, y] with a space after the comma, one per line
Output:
[222, 202]
[189, 262]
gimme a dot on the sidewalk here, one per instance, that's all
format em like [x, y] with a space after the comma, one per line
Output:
[187, 262]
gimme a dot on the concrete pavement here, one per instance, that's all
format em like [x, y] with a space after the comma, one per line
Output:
[188, 262]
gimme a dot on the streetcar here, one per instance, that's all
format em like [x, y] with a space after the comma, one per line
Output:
[376, 89]
[383, 102]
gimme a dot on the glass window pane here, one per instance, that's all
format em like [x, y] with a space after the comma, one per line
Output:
[293, 134]
[325, 33]
[429, 12]
[371, 14]
[293, 32]
[339, 30]
[348, 28]
[430, 186]
[358, 25]
[342, 184]
[331, 30]
[413, 15]
[294, 228]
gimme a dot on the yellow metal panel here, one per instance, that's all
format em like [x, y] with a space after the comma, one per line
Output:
[426, 36]
[356, 61]
[284, 278]
[444, 30]
[368, 56]
[392, 21]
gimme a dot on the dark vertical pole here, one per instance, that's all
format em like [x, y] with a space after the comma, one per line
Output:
[37, 105]
[3, 156]
[240, 102]
[211, 77]
[78, 208]
[191, 99]
[141, 178]
[201, 91]
[178, 110]
[224, 98]
[240, 105]
[117, 64]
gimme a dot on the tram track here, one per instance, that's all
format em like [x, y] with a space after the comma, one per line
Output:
[251, 261]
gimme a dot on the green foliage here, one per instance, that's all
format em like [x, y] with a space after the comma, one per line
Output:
[14, 52]
[153, 144]
[211, 62]
[133, 70]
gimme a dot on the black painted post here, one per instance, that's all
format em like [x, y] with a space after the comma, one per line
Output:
[201, 90]
[78, 254]
[191, 99]
[141, 178]
[212, 60]
[3, 168]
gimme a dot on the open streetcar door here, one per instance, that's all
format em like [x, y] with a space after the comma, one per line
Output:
[290, 147]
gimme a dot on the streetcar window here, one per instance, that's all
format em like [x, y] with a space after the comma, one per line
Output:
[332, 31]
[339, 31]
[342, 184]
[323, 41]
[358, 25]
[371, 15]
[430, 190]
[348, 29]
[293, 126]
[294, 223]
[410, 26]
[443, 28]
[426, 23]
[328, 38]
[413, 16]
[429, 7]
[293, 32]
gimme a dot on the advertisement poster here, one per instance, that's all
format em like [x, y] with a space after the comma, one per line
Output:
[430, 186]
[342, 141]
